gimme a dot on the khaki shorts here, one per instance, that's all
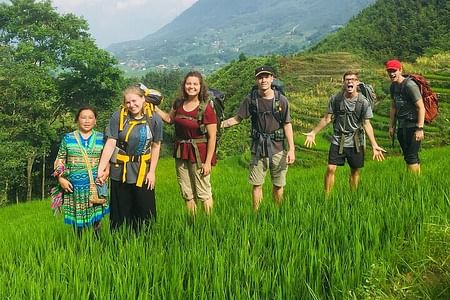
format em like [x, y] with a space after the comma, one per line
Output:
[278, 170]
[193, 184]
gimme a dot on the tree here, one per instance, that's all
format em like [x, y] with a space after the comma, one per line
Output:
[49, 67]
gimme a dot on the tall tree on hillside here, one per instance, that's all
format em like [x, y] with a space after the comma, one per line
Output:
[49, 66]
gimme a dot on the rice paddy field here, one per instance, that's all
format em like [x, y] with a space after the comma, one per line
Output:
[309, 248]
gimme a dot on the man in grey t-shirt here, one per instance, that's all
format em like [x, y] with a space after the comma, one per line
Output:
[350, 112]
[408, 111]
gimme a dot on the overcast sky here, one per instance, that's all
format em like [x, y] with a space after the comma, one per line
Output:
[112, 21]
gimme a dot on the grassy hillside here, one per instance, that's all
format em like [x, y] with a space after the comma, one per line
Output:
[389, 240]
[310, 79]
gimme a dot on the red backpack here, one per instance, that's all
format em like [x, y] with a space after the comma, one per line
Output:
[430, 99]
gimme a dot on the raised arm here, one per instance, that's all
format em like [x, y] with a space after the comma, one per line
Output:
[311, 136]
[166, 117]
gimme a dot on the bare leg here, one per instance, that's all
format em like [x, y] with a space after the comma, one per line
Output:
[277, 194]
[257, 196]
[329, 179]
[354, 179]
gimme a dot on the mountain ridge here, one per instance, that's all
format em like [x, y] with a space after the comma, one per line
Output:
[211, 32]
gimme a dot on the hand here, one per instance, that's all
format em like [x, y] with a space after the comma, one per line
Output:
[65, 184]
[310, 139]
[391, 132]
[419, 135]
[150, 180]
[378, 153]
[290, 157]
[206, 169]
[101, 177]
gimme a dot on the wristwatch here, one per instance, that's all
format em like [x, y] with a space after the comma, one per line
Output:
[419, 128]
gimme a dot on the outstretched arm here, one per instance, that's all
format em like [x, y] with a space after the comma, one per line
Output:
[311, 136]
[377, 150]
[231, 122]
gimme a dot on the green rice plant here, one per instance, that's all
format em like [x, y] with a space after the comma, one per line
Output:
[309, 248]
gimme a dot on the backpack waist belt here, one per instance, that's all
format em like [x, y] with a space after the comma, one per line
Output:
[194, 143]
[143, 159]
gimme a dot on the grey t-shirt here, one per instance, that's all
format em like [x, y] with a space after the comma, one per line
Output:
[266, 119]
[405, 96]
[139, 142]
[346, 119]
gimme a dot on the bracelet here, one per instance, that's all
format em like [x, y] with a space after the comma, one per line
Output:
[419, 128]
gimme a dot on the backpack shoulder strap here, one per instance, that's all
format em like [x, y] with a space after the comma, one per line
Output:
[277, 109]
[338, 105]
[201, 110]
[359, 107]
[254, 109]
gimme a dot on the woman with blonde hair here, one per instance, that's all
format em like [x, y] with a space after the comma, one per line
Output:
[132, 148]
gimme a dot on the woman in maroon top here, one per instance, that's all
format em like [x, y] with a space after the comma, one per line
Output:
[195, 131]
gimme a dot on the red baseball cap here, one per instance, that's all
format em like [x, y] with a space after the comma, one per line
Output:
[393, 64]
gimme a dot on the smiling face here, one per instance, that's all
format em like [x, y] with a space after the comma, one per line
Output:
[394, 74]
[134, 103]
[192, 86]
[86, 120]
[264, 81]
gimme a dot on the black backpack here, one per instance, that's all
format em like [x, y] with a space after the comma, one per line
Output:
[217, 101]
[339, 108]
[278, 114]
[366, 90]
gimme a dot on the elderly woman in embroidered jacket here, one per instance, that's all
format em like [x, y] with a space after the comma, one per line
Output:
[77, 158]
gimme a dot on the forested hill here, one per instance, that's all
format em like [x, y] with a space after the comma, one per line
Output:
[213, 32]
[405, 29]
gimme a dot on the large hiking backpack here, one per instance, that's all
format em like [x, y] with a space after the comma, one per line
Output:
[256, 134]
[217, 101]
[368, 92]
[339, 108]
[278, 89]
[151, 95]
[430, 99]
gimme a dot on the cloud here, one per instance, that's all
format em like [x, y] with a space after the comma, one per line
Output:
[112, 21]
[130, 4]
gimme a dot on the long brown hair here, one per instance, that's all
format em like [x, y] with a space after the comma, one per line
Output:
[203, 95]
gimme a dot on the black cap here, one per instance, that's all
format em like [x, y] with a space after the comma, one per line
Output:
[264, 69]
